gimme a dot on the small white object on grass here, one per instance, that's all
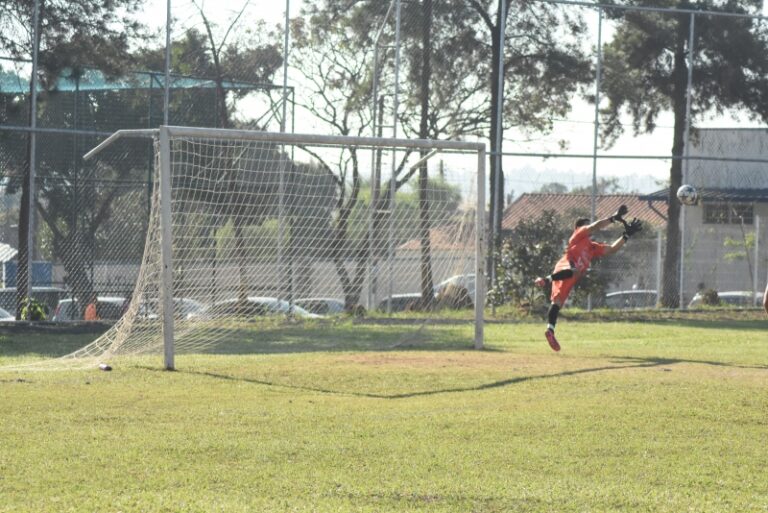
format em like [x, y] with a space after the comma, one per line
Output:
[104, 367]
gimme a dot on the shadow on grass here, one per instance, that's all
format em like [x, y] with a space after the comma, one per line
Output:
[715, 324]
[340, 338]
[257, 338]
[43, 345]
[717, 319]
[618, 363]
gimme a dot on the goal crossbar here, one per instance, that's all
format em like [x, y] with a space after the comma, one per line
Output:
[285, 138]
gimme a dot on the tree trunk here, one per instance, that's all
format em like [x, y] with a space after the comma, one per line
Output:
[77, 275]
[496, 199]
[22, 269]
[670, 297]
[427, 283]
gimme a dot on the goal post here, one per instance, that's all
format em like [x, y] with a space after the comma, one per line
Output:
[166, 247]
[246, 220]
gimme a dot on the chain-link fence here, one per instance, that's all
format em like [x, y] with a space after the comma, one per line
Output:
[591, 100]
[675, 97]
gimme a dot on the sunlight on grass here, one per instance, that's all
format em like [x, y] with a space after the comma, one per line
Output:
[662, 416]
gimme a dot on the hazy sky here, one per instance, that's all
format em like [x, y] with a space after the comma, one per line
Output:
[577, 130]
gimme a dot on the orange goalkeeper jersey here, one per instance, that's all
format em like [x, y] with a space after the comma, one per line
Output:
[581, 250]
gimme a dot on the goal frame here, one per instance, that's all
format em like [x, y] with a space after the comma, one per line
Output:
[165, 134]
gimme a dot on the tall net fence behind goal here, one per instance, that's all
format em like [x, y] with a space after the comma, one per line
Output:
[267, 242]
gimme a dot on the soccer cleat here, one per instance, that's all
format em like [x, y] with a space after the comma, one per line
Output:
[552, 340]
[540, 282]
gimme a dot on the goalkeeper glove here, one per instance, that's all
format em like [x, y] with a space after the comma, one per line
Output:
[632, 228]
[619, 215]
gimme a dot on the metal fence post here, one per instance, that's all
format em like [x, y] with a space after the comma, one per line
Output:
[167, 90]
[686, 151]
[598, 78]
[32, 155]
[755, 288]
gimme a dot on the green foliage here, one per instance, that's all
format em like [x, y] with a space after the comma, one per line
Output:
[249, 59]
[530, 251]
[553, 188]
[738, 248]
[74, 34]
[640, 71]
[33, 310]
[545, 60]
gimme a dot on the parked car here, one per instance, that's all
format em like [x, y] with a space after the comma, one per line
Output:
[183, 308]
[108, 308]
[255, 307]
[737, 298]
[631, 299]
[48, 296]
[466, 281]
[321, 305]
[399, 302]
[5, 316]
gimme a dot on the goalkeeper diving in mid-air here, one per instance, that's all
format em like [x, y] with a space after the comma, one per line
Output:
[575, 262]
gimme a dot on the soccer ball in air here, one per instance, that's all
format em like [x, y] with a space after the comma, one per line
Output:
[687, 195]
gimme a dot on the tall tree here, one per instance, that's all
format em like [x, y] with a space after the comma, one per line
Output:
[427, 282]
[222, 58]
[335, 73]
[646, 73]
[544, 65]
[335, 66]
[71, 34]
[216, 48]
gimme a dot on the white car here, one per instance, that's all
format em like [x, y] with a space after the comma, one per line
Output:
[737, 298]
[466, 281]
[255, 306]
[321, 305]
[5, 316]
[109, 308]
[399, 302]
[183, 308]
[631, 299]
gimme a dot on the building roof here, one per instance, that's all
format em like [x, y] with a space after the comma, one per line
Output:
[717, 194]
[95, 80]
[531, 205]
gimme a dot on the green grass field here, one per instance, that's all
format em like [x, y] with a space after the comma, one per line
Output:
[652, 414]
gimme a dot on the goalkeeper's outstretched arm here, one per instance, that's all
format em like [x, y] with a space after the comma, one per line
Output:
[604, 223]
[617, 245]
[630, 229]
[599, 225]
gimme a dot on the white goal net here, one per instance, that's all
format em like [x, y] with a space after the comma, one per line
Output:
[264, 238]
